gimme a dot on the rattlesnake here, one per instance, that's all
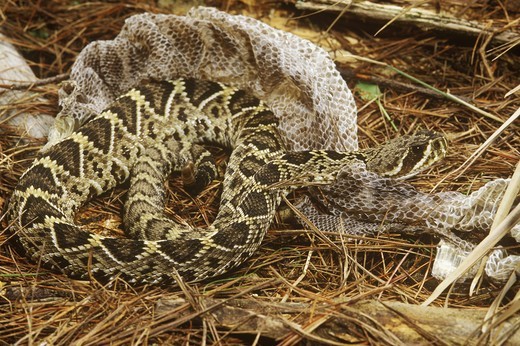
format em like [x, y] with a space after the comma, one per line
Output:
[150, 131]
[315, 109]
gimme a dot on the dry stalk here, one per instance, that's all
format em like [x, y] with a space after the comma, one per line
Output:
[311, 270]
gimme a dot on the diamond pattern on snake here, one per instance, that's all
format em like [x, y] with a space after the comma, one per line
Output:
[153, 130]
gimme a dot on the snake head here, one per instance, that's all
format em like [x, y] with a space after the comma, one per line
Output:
[406, 156]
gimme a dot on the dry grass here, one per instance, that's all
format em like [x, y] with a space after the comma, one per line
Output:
[291, 265]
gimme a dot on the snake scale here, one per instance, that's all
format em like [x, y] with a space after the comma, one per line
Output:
[143, 136]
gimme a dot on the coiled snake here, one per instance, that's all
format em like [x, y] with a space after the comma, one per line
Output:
[147, 133]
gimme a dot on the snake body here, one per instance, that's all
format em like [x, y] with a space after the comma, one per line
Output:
[151, 131]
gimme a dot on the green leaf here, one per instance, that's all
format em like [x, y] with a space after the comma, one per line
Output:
[371, 92]
[368, 92]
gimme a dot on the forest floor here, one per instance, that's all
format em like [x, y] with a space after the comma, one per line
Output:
[298, 286]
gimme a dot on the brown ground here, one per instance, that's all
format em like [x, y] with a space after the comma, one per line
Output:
[292, 265]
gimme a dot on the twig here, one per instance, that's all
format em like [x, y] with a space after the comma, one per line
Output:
[335, 318]
[39, 82]
[419, 17]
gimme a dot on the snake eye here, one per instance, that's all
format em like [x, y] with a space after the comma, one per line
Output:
[416, 149]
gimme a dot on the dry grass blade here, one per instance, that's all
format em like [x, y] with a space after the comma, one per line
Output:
[480, 251]
[326, 285]
[402, 13]
[513, 91]
[507, 201]
[492, 318]
[486, 144]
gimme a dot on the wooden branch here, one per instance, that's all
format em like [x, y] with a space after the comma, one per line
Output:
[424, 19]
[340, 322]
